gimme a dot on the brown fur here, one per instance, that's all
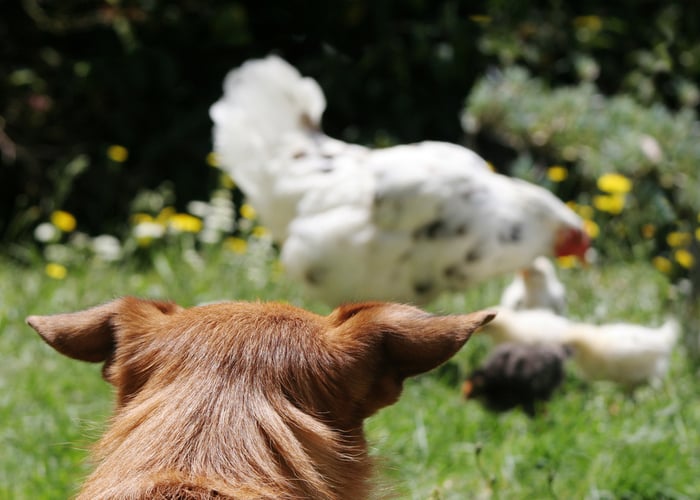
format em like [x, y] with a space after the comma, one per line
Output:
[247, 400]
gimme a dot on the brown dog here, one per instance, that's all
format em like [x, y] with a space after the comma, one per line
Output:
[247, 400]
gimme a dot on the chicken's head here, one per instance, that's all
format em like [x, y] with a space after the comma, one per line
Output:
[474, 385]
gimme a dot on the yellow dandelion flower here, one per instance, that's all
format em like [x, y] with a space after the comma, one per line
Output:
[144, 241]
[140, 217]
[185, 223]
[684, 258]
[117, 153]
[648, 231]
[614, 184]
[567, 262]
[662, 264]
[247, 211]
[612, 204]
[63, 221]
[585, 211]
[677, 239]
[55, 271]
[260, 231]
[593, 23]
[213, 159]
[591, 228]
[557, 173]
[165, 214]
[226, 181]
[236, 245]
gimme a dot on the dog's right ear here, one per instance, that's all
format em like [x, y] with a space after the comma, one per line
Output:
[89, 335]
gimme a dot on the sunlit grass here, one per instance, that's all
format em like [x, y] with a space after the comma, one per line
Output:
[593, 442]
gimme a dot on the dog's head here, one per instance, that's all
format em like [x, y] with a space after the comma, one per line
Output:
[249, 400]
[346, 365]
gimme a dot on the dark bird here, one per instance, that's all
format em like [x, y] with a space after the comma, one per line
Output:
[517, 375]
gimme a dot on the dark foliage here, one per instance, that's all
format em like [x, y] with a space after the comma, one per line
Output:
[78, 76]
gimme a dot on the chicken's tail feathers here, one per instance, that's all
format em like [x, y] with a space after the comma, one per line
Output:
[264, 99]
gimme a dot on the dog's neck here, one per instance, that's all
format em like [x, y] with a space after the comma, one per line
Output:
[262, 446]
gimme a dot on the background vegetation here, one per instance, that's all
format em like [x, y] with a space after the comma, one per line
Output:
[106, 188]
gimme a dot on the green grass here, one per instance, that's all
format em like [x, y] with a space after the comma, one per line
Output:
[593, 441]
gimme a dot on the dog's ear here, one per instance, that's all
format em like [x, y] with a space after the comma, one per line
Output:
[418, 343]
[89, 335]
[401, 341]
[412, 341]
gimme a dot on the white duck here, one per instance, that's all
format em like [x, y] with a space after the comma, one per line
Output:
[402, 223]
[536, 287]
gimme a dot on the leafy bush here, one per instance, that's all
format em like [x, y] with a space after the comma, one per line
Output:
[651, 54]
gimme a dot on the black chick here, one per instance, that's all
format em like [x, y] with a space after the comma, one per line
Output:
[517, 375]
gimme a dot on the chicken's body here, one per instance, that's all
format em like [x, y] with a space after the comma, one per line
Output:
[530, 326]
[401, 223]
[536, 287]
[627, 354]
[517, 375]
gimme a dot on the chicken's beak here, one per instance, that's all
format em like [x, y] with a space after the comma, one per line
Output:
[467, 388]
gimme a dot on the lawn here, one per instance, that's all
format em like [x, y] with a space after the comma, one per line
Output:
[592, 442]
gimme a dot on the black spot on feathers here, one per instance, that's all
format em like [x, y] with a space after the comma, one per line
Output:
[440, 229]
[315, 275]
[462, 229]
[422, 287]
[473, 255]
[430, 231]
[455, 274]
[511, 234]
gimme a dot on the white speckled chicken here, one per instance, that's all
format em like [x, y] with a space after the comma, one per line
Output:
[536, 287]
[402, 223]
